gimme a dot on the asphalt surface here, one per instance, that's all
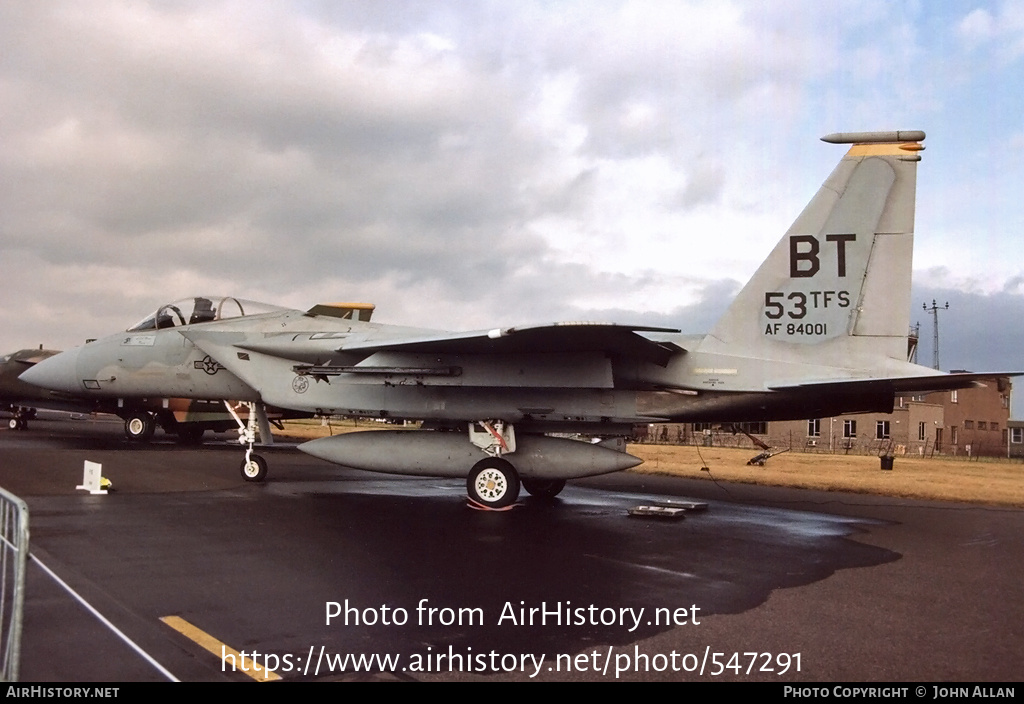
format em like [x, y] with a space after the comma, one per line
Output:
[799, 585]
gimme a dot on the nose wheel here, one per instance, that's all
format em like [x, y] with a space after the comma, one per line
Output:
[254, 468]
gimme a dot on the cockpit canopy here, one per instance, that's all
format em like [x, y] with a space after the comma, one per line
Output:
[201, 309]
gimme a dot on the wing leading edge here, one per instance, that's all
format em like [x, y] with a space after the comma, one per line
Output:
[619, 340]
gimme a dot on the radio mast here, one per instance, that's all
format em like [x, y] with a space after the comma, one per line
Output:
[934, 310]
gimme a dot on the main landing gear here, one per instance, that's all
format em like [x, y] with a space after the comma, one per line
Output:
[190, 434]
[494, 482]
[139, 426]
[544, 488]
[21, 417]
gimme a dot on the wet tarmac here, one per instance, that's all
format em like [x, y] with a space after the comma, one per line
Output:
[328, 573]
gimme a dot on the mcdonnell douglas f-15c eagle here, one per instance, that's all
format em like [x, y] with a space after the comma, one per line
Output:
[188, 419]
[821, 329]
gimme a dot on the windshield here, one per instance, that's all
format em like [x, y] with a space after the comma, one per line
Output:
[201, 309]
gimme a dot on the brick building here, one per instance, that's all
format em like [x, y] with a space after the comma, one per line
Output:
[973, 422]
[976, 420]
[1015, 439]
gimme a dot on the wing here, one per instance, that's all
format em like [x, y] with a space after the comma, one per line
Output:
[563, 355]
[621, 340]
[609, 339]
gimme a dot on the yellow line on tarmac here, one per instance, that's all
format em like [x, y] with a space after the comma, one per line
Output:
[207, 642]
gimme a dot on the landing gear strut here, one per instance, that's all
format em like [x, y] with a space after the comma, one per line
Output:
[254, 467]
[493, 482]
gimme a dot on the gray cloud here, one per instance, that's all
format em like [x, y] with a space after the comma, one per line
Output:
[459, 164]
[978, 332]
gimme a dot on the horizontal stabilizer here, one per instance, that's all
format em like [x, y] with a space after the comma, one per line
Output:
[902, 385]
[29, 361]
[31, 356]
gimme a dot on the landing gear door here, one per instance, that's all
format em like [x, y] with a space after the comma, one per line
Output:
[494, 437]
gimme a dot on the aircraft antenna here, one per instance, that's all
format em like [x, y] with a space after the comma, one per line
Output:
[912, 337]
[934, 310]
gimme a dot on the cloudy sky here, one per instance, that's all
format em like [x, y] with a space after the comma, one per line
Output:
[468, 164]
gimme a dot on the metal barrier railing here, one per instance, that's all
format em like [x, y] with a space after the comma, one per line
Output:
[13, 561]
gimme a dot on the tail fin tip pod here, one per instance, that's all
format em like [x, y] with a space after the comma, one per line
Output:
[874, 137]
[839, 279]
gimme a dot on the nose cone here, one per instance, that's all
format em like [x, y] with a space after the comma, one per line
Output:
[58, 373]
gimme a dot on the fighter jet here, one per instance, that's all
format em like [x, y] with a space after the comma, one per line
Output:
[20, 399]
[188, 419]
[821, 329]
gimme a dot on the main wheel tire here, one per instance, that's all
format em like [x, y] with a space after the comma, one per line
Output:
[139, 427]
[544, 488]
[493, 482]
[190, 435]
[14, 424]
[254, 469]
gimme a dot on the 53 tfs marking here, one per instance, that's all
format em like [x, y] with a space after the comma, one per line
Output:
[796, 304]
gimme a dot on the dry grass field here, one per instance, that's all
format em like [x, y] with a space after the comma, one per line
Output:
[986, 481]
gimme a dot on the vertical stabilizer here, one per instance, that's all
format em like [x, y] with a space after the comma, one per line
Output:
[839, 280]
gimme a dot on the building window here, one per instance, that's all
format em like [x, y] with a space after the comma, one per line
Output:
[921, 427]
[814, 428]
[882, 430]
[968, 425]
[993, 426]
[849, 428]
[982, 425]
[953, 435]
[701, 427]
[754, 428]
[1016, 435]
[952, 396]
